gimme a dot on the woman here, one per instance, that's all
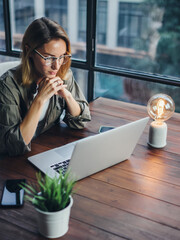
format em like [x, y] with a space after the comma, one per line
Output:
[34, 94]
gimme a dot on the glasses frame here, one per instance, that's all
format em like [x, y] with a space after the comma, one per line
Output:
[53, 59]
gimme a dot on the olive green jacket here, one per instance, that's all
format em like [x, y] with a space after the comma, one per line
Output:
[15, 100]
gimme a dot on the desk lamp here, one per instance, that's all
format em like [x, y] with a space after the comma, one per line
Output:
[160, 108]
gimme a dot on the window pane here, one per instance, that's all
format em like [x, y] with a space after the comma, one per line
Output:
[71, 14]
[140, 35]
[2, 32]
[4, 58]
[102, 22]
[82, 21]
[22, 14]
[81, 77]
[131, 90]
[58, 11]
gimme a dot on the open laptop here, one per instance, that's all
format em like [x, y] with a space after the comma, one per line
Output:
[92, 154]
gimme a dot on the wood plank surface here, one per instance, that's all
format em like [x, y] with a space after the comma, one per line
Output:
[138, 198]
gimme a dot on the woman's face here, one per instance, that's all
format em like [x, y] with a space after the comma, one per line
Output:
[54, 48]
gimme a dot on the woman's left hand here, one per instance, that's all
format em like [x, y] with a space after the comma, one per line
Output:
[63, 92]
[73, 106]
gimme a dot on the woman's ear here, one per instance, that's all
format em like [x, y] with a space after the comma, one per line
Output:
[27, 48]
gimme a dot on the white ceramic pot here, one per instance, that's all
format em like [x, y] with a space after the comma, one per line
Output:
[54, 224]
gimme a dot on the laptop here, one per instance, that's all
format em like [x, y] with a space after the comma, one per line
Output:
[91, 154]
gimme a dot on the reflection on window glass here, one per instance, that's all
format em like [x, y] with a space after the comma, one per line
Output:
[22, 14]
[102, 22]
[82, 21]
[131, 90]
[58, 11]
[2, 32]
[70, 14]
[130, 24]
[109, 86]
[140, 35]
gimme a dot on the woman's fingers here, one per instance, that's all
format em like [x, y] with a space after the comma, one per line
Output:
[48, 87]
[56, 81]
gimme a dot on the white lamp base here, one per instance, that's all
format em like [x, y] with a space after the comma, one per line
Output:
[157, 134]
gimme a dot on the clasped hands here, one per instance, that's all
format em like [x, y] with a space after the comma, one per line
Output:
[52, 86]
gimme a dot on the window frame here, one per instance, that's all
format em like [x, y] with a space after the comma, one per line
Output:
[89, 64]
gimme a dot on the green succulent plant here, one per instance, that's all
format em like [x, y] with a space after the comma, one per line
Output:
[50, 194]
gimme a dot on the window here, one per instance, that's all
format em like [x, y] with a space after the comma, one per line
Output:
[58, 11]
[140, 37]
[131, 90]
[66, 13]
[2, 32]
[81, 21]
[118, 46]
[130, 24]
[81, 77]
[22, 14]
[102, 22]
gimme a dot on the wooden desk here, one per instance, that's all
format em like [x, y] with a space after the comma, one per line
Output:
[136, 199]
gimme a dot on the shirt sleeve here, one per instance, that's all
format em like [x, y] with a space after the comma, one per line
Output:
[10, 118]
[80, 121]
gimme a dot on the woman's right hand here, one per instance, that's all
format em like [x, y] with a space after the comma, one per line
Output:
[48, 87]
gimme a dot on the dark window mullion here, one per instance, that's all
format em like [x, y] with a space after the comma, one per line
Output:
[91, 37]
[7, 26]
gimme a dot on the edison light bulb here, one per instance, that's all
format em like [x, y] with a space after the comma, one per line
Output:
[160, 108]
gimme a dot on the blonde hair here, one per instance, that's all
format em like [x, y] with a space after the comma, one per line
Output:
[39, 32]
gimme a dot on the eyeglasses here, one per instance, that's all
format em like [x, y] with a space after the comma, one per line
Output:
[63, 59]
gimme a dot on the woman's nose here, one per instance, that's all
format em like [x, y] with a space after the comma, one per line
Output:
[56, 64]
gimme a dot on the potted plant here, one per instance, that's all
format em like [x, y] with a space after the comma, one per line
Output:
[53, 201]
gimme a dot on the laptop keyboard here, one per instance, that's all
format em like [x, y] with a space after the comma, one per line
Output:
[64, 152]
[61, 166]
